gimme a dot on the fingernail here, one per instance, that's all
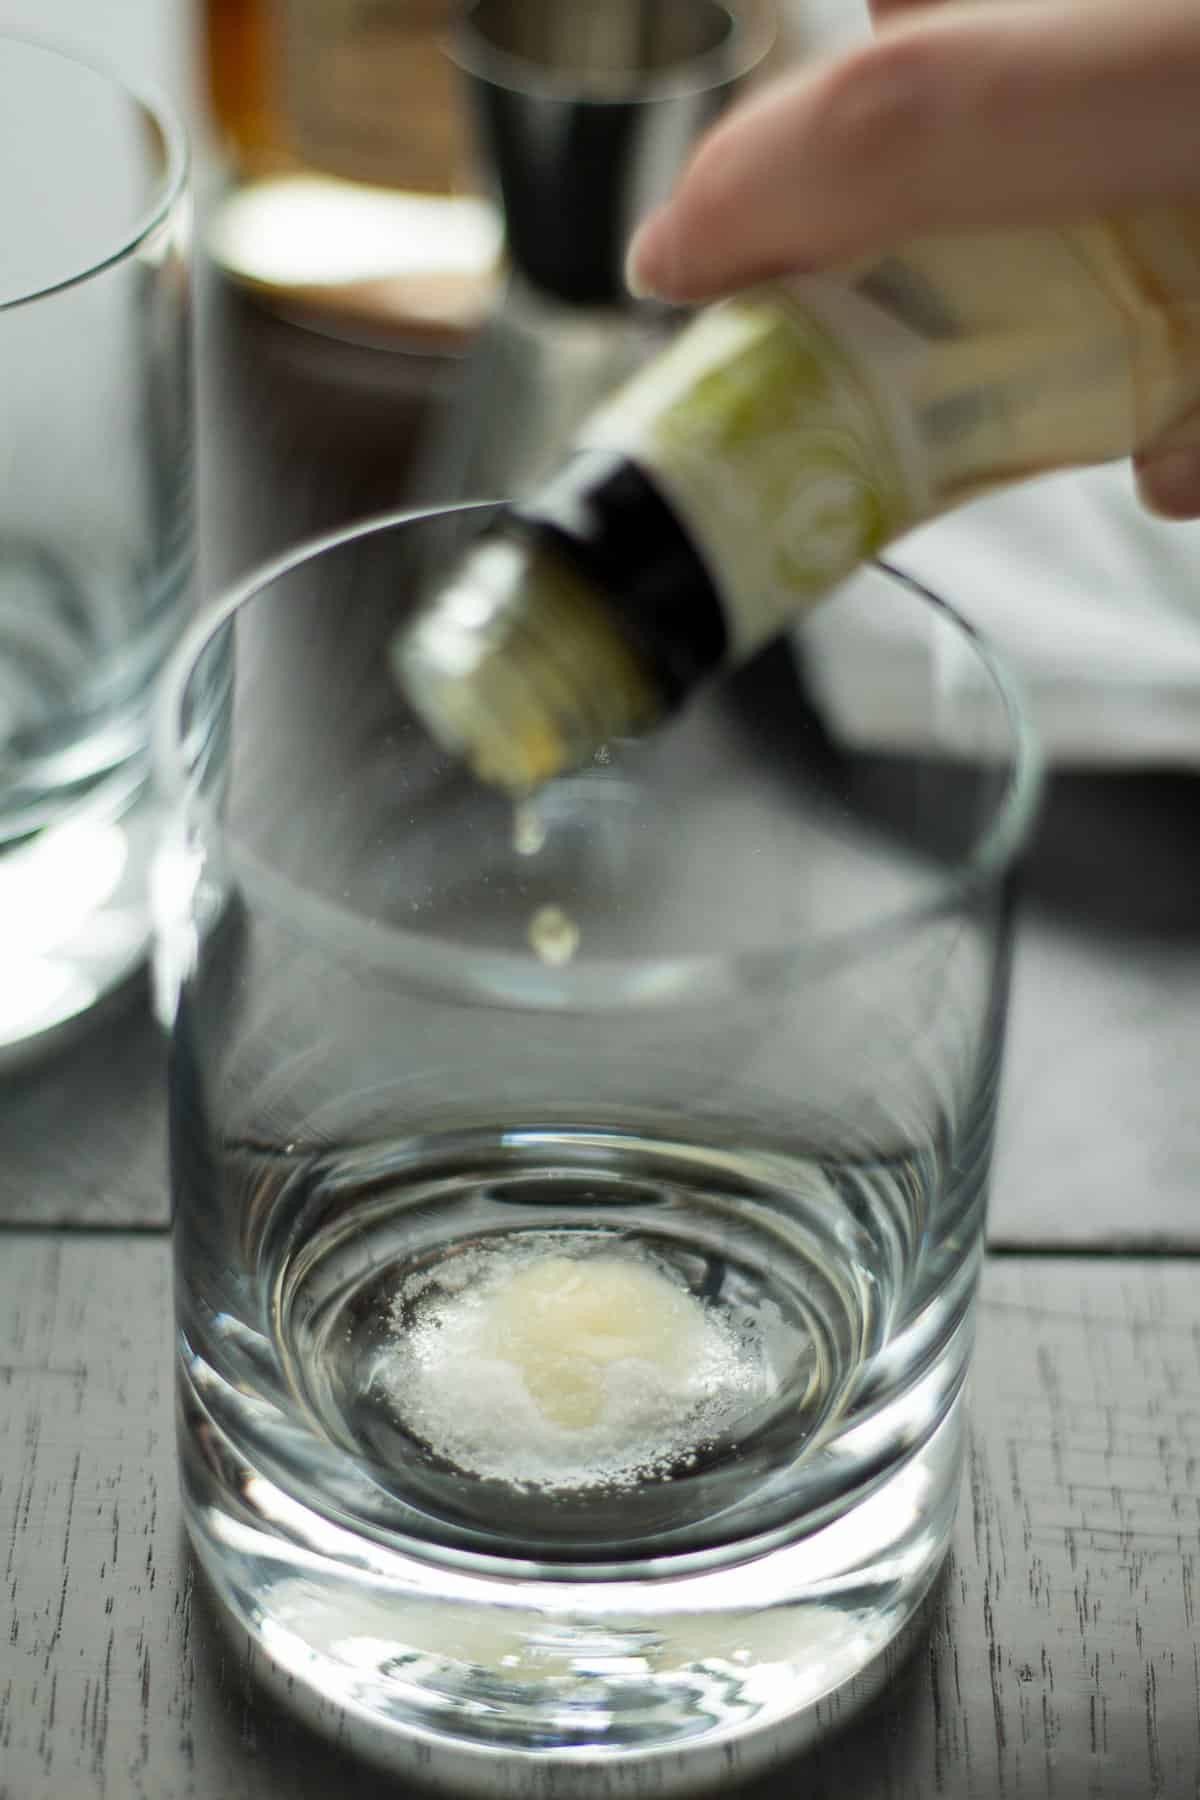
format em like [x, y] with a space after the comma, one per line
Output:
[650, 263]
[1170, 484]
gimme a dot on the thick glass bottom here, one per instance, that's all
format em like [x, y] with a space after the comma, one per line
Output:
[481, 1675]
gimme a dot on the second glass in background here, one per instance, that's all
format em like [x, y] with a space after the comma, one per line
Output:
[95, 519]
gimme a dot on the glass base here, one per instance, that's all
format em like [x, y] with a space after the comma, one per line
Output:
[77, 927]
[484, 1676]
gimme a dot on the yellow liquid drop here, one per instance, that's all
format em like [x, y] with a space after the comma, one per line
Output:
[529, 828]
[553, 935]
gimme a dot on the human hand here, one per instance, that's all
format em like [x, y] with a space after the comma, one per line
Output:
[954, 117]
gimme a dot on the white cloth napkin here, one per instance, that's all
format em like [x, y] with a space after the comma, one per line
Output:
[1093, 602]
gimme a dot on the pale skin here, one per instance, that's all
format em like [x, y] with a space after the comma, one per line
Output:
[954, 117]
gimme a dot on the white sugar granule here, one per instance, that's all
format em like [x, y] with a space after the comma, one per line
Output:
[541, 1366]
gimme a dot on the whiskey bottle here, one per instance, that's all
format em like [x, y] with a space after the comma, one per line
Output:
[351, 200]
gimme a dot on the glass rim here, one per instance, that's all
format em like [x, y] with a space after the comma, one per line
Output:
[171, 188]
[741, 48]
[440, 965]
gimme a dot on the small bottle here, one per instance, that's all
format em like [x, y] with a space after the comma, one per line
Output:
[783, 438]
[352, 202]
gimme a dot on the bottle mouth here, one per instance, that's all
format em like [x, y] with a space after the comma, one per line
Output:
[513, 667]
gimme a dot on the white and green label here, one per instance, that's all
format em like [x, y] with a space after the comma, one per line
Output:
[776, 426]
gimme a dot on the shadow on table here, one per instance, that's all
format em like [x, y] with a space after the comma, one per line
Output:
[1120, 853]
[1115, 852]
[82, 1130]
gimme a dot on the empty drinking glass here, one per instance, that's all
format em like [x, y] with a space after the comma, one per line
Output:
[95, 519]
[578, 1208]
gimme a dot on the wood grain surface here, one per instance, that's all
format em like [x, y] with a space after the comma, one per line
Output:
[1062, 1660]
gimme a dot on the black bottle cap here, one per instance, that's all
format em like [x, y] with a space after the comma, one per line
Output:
[605, 516]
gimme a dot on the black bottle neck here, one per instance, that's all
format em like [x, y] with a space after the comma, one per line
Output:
[607, 519]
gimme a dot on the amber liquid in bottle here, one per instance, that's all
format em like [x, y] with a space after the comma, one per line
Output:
[352, 201]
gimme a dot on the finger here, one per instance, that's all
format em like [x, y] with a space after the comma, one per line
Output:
[956, 117]
[1169, 484]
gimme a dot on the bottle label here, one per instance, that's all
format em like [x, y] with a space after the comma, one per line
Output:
[776, 426]
[369, 94]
